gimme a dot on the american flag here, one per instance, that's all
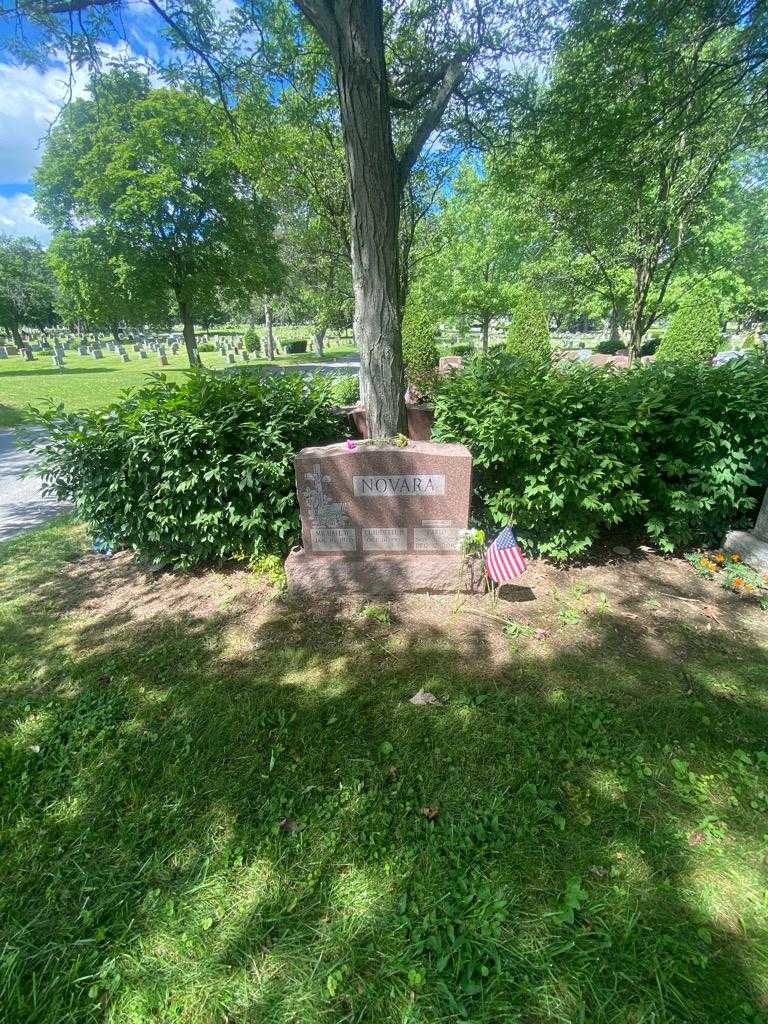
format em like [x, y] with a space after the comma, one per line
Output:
[504, 560]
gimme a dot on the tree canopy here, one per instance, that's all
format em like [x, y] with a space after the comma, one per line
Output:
[27, 288]
[153, 170]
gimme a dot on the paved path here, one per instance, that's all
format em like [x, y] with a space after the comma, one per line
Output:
[22, 504]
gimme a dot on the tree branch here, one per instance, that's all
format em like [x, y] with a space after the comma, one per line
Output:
[319, 13]
[205, 58]
[454, 74]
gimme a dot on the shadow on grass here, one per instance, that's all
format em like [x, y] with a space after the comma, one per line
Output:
[10, 417]
[247, 821]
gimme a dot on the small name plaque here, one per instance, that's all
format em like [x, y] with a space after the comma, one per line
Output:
[384, 538]
[325, 538]
[423, 485]
[438, 538]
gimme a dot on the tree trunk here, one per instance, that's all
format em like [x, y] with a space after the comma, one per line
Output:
[640, 285]
[486, 323]
[115, 332]
[270, 339]
[615, 327]
[374, 194]
[189, 334]
[16, 334]
[319, 338]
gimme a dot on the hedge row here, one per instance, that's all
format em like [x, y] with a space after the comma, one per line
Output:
[194, 472]
[203, 471]
[679, 451]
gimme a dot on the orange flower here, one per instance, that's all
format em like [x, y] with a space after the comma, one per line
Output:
[720, 557]
[765, 578]
[749, 587]
[735, 558]
[738, 582]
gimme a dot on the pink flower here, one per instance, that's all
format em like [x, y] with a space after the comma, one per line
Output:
[351, 445]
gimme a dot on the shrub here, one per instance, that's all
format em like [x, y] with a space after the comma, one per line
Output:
[346, 389]
[651, 345]
[291, 347]
[704, 437]
[206, 346]
[609, 347]
[420, 352]
[528, 334]
[462, 348]
[271, 568]
[555, 452]
[252, 342]
[694, 330]
[193, 472]
[679, 450]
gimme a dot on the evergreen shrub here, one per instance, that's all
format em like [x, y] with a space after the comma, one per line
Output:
[420, 351]
[252, 342]
[609, 347]
[650, 345]
[693, 334]
[528, 334]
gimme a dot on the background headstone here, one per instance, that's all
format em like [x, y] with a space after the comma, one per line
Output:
[752, 545]
[448, 364]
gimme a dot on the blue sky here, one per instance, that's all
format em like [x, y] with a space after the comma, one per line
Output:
[31, 98]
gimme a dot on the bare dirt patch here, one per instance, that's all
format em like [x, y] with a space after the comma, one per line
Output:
[642, 601]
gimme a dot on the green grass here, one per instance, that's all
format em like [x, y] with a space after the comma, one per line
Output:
[86, 383]
[194, 829]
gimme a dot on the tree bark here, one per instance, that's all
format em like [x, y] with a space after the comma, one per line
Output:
[270, 338]
[354, 32]
[115, 332]
[319, 339]
[615, 327]
[189, 334]
[486, 323]
[374, 194]
[643, 275]
[16, 334]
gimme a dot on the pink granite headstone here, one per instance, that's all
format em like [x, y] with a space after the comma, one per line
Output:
[380, 518]
[448, 364]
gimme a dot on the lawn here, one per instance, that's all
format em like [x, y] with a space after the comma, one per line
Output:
[219, 805]
[85, 383]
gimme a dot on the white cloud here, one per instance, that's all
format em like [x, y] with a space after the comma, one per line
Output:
[17, 217]
[31, 99]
